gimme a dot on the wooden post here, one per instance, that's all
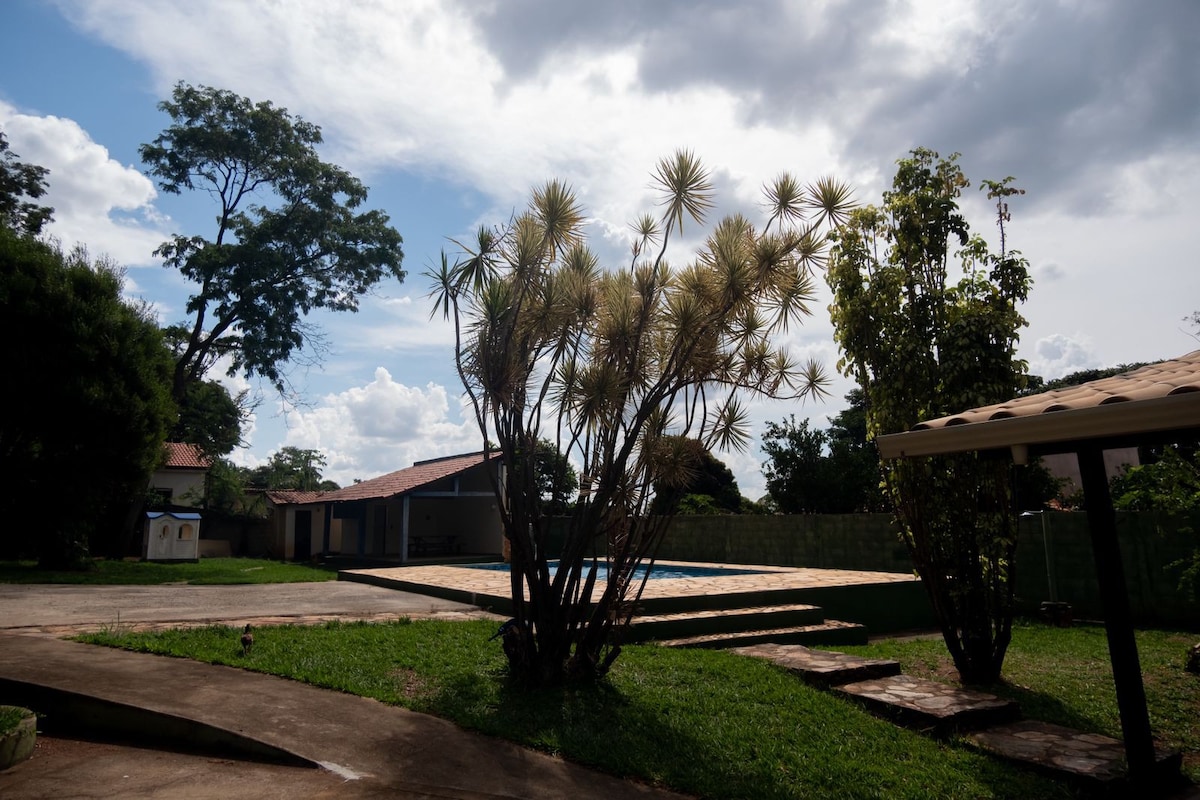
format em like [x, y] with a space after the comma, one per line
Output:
[1118, 621]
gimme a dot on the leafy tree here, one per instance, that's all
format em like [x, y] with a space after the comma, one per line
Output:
[711, 488]
[20, 185]
[835, 471]
[87, 408]
[632, 372]
[556, 478]
[209, 418]
[289, 237]
[922, 346]
[291, 468]
[1169, 485]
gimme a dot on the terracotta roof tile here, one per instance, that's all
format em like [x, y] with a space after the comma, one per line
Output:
[1151, 382]
[399, 482]
[406, 480]
[282, 497]
[185, 456]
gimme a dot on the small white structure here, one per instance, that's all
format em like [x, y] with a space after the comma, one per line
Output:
[171, 536]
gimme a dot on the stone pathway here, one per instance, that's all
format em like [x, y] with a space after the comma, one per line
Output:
[989, 722]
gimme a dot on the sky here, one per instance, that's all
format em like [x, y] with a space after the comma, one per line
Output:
[450, 112]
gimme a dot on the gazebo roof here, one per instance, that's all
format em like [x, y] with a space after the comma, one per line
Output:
[1156, 400]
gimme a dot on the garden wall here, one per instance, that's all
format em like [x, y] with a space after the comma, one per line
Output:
[1149, 543]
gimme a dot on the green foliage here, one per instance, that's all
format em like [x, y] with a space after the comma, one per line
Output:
[556, 478]
[835, 471]
[1171, 486]
[631, 372]
[922, 345]
[289, 236]
[702, 722]
[87, 409]
[709, 488]
[209, 418]
[1064, 676]
[292, 468]
[20, 185]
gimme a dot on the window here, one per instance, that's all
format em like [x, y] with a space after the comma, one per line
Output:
[185, 531]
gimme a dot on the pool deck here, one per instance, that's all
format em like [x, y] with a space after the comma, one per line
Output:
[858, 595]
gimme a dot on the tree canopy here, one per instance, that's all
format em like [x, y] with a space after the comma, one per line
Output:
[631, 371]
[289, 236]
[292, 468]
[921, 345]
[832, 471]
[87, 408]
[20, 185]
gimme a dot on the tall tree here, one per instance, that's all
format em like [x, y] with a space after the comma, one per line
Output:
[87, 407]
[293, 468]
[210, 418]
[20, 185]
[289, 237]
[834, 471]
[710, 488]
[922, 345]
[632, 372]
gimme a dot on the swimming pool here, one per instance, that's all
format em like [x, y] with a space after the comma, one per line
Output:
[660, 571]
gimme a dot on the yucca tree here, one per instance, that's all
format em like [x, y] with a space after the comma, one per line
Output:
[633, 372]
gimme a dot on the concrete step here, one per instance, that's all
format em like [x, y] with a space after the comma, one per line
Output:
[931, 706]
[830, 632]
[1089, 758]
[823, 667]
[702, 623]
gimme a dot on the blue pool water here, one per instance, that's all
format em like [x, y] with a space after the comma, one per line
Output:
[660, 570]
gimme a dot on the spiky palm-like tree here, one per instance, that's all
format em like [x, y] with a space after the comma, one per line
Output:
[632, 372]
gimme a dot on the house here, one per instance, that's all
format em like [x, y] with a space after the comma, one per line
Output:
[180, 481]
[443, 506]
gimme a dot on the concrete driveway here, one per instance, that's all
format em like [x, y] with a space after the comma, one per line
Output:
[57, 609]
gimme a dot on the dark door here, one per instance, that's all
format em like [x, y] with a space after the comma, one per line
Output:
[303, 550]
[380, 532]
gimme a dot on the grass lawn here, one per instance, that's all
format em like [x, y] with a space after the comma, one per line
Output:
[709, 723]
[205, 571]
[1064, 675]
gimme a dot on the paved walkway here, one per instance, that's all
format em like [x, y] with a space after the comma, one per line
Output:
[369, 748]
[725, 579]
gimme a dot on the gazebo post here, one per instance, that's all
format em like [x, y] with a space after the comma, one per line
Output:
[1118, 621]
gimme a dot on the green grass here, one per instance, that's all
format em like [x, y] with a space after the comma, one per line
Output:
[1064, 676]
[10, 718]
[205, 571]
[708, 723]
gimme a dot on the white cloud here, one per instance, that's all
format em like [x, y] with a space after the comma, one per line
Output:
[380, 427]
[97, 201]
[1059, 355]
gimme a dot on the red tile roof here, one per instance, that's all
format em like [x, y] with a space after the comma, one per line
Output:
[281, 497]
[406, 480]
[401, 481]
[185, 456]
[1157, 398]
[1146, 383]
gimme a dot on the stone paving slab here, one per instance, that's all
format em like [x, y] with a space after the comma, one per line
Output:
[823, 667]
[831, 631]
[485, 583]
[926, 704]
[1064, 751]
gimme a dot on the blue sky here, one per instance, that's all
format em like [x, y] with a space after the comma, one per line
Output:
[451, 111]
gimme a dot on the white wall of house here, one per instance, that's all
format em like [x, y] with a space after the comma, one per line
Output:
[186, 486]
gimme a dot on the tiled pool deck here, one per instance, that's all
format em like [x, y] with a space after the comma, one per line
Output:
[490, 588]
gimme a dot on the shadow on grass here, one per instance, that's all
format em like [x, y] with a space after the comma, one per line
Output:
[719, 728]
